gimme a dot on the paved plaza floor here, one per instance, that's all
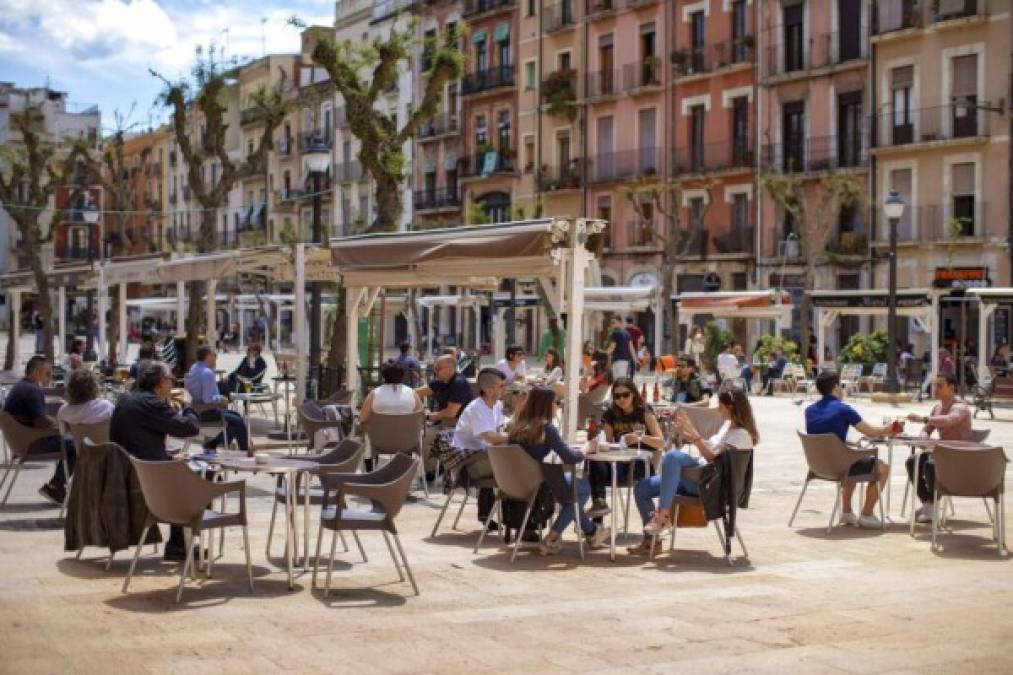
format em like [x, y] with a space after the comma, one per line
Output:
[855, 601]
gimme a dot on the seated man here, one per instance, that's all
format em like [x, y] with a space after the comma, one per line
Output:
[689, 387]
[146, 353]
[951, 420]
[775, 371]
[251, 368]
[26, 403]
[203, 389]
[449, 389]
[830, 415]
[479, 426]
[142, 420]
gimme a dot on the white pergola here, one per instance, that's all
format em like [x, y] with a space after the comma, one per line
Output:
[988, 300]
[921, 304]
[551, 251]
[626, 300]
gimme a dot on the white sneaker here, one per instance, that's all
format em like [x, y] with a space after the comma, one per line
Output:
[600, 536]
[870, 522]
[849, 518]
[925, 513]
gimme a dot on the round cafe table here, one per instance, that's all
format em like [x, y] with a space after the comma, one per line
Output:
[615, 456]
[292, 470]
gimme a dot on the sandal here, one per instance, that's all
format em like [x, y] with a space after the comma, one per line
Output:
[643, 548]
[660, 521]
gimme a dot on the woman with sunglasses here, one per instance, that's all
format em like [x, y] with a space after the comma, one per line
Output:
[738, 431]
[532, 429]
[622, 421]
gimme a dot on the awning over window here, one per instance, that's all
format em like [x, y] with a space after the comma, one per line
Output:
[478, 37]
[502, 33]
[745, 299]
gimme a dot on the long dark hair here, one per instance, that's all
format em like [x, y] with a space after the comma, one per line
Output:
[601, 365]
[628, 383]
[528, 424]
[557, 361]
[737, 402]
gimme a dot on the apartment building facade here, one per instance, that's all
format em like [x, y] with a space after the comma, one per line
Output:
[941, 135]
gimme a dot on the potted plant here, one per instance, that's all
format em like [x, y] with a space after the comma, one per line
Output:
[680, 60]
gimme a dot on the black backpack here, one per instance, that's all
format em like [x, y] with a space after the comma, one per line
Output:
[541, 511]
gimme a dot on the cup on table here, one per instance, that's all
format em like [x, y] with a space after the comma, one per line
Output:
[261, 457]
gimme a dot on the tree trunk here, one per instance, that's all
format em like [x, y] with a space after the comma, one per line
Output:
[44, 306]
[113, 329]
[805, 309]
[336, 349]
[194, 319]
[388, 203]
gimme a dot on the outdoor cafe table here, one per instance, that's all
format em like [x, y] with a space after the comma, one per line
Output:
[292, 470]
[916, 443]
[246, 398]
[615, 456]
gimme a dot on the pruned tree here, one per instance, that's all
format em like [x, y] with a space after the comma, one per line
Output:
[677, 242]
[199, 126]
[30, 174]
[362, 73]
[813, 206]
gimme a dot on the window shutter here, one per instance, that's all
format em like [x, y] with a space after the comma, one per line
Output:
[963, 179]
[965, 76]
[903, 77]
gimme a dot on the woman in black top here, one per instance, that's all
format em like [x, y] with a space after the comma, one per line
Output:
[620, 420]
[532, 429]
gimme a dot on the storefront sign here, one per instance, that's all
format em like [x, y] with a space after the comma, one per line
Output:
[869, 301]
[962, 277]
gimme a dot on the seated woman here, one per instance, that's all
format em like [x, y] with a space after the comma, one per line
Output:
[627, 415]
[600, 375]
[83, 404]
[252, 369]
[532, 429]
[552, 372]
[738, 431]
[392, 397]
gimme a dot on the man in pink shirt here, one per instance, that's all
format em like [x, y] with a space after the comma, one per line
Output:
[951, 420]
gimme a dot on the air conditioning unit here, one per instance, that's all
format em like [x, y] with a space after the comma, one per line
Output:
[787, 248]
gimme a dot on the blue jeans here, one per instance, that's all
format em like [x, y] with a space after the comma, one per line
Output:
[666, 484]
[565, 516]
[747, 375]
[234, 424]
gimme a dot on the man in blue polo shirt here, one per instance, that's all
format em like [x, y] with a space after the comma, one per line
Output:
[202, 386]
[830, 415]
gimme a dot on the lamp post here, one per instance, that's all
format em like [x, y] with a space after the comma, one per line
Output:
[90, 213]
[318, 160]
[893, 208]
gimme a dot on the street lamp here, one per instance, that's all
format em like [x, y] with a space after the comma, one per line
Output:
[318, 160]
[893, 208]
[90, 213]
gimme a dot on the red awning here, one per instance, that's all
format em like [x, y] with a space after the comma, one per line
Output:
[712, 301]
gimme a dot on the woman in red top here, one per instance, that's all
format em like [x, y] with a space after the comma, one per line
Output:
[600, 376]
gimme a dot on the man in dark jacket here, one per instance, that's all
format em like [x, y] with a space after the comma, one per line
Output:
[252, 368]
[141, 422]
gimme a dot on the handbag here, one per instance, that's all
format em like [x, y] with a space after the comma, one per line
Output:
[691, 515]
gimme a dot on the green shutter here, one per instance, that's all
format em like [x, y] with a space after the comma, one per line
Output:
[478, 37]
[502, 33]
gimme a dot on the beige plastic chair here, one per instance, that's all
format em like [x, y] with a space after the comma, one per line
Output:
[972, 472]
[386, 489]
[313, 419]
[211, 428]
[518, 476]
[19, 439]
[477, 483]
[398, 434]
[344, 457]
[177, 496]
[589, 406]
[830, 459]
[978, 436]
[707, 421]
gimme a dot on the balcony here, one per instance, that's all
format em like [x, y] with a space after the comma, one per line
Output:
[624, 165]
[959, 120]
[437, 199]
[854, 244]
[709, 58]
[936, 223]
[473, 8]
[630, 78]
[348, 172]
[820, 51]
[896, 15]
[736, 241]
[385, 8]
[710, 157]
[488, 79]
[597, 9]
[559, 16]
[483, 164]
[807, 155]
[691, 242]
[568, 176]
[441, 125]
[641, 233]
[637, 4]
[951, 10]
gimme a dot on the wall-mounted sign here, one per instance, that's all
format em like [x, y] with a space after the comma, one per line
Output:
[712, 282]
[962, 277]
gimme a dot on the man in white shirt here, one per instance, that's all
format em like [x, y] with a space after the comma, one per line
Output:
[479, 426]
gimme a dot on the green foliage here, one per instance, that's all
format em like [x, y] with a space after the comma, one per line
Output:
[477, 216]
[866, 348]
[769, 343]
[559, 92]
[715, 340]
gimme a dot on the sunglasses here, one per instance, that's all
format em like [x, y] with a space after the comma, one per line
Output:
[621, 394]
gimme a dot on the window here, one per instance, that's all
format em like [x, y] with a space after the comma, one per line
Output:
[794, 37]
[606, 59]
[563, 149]
[740, 50]
[696, 129]
[429, 46]
[901, 181]
[649, 67]
[696, 33]
[503, 128]
[529, 75]
[450, 181]
[430, 180]
[964, 96]
[604, 212]
[481, 131]
[740, 130]
[563, 61]
[963, 201]
[740, 211]
[529, 154]
[643, 232]
[648, 145]
[496, 206]
[531, 7]
[902, 119]
[793, 133]
[481, 57]
[696, 211]
[605, 165]
[849, 129]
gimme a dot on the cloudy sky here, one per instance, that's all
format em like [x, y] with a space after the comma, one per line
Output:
[99, 51]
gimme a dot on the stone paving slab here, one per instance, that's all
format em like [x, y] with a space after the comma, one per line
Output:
[853, 601]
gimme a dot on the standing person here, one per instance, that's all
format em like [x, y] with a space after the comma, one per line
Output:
[737, 431]
[689, 387]
[513, 367]
[37, 326]
[619, 349]
[728, 364]
[554, 337]
[392, 397]
[252, 368]
[620, 422]
[830, 415]
[202, 386]
[533, 430]
[479, 426]
[951, 420]
[262, 325]
[636, 335]
[26, 403]
[696, 344]
[141, 422]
